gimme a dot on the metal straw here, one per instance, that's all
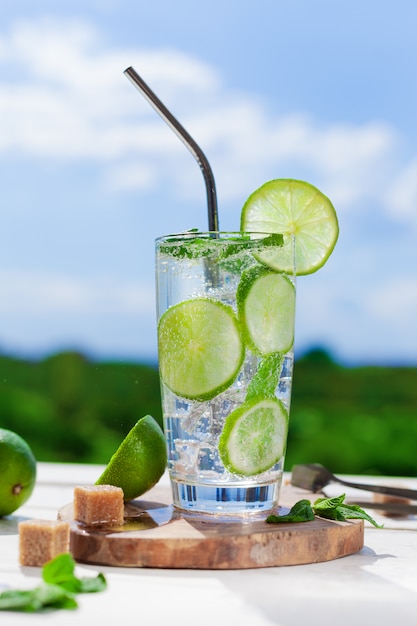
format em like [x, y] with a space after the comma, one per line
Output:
[154, 101]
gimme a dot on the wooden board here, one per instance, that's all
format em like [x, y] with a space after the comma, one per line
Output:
[156, 535]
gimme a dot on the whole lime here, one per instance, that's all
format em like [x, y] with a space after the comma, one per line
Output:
[17, 471]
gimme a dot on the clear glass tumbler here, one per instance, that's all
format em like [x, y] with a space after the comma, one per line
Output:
[225, 343]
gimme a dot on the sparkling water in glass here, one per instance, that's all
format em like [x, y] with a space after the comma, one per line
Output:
[209, 267]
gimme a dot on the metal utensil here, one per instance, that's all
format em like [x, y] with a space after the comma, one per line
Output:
[390, 509]
[314, 477]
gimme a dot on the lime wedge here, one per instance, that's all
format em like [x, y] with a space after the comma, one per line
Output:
[139, 461]
[266, 307]
[300, 212]
[254, 436]
[200, 349]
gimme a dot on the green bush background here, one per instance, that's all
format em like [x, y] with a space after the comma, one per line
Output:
[351, 419]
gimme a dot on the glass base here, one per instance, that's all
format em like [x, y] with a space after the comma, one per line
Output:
[233, 500]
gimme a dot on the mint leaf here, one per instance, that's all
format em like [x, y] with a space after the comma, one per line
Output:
[54, 596]
[197, 247]
[335, 508]
[92, 585]
[57, 590]
[12, 600]
[192, 249]
[300, 512]
[60, 571]
[32, 600]
[276, 239]
[328, 508]
[265, 381]
[324, 504]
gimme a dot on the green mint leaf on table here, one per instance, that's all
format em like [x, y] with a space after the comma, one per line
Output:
[328, 508]
[93, 585]
[57, 591]
[60, 571]
[300, 512]
[45, 596]
[342, 510]
[54, 596]
[13, 600]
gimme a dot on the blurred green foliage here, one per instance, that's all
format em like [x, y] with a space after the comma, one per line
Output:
[353, 420]
[358, 420]
[70, 409]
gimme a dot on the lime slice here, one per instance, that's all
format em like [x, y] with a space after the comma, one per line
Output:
[139, 461]
[200, 348]
[300, 212]
[254, 436]
[266, 307]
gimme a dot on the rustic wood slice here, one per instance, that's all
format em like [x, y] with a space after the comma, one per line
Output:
[156, 535]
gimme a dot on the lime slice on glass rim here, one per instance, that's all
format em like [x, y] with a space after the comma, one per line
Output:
[254, 436]
[200, 348]
[299, 211]
[266, 307]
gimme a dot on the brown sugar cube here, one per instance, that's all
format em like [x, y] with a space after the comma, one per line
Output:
[99, 505]
[42, 540]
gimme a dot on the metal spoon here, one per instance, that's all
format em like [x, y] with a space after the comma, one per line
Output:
[314, 477]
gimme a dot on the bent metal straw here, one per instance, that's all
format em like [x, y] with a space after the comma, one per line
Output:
[160, 108]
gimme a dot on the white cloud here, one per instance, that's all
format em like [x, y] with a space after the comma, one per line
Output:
[132, 175]
[71, 53]
[394, 302]
[401, 199]
[359, 320]
[68, 99]
[48, 292]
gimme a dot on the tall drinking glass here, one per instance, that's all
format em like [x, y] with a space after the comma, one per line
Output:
[225, 346]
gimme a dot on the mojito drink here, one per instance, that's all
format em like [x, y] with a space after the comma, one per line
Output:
[225, 345]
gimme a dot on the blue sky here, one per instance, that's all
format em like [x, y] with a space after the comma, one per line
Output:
[90, 175]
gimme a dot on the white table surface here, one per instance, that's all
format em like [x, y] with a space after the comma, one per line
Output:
[377, 586]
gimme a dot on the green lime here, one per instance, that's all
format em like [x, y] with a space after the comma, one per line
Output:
[200, 348]
[300, 212]
[254, 436]
[139, 461]
[17, 471]
[266, 307]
